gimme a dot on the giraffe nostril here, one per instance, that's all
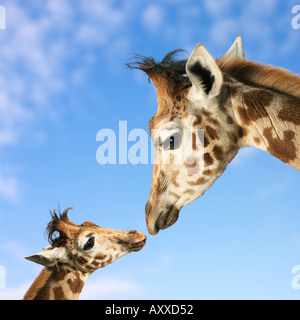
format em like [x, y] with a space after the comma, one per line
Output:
[148, 208]
[132, 232]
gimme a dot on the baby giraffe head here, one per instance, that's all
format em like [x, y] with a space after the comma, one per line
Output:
[85, 247]
[194, 133]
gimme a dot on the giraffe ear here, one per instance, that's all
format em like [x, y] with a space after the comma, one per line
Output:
[236, 50]
[48, 257]
[204, 73]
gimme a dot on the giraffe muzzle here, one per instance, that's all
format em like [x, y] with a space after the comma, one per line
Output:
[163, 220]
[136, 240]
[137, 246]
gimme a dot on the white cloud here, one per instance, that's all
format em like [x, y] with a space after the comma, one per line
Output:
[38, 46]
[152, 17]
[9, 188]
[27, 67]
[104, 22]
[218, 8]
[88, 34]
[104, 10]
[59, 10]
[257, 8]
[36, 50]
[255, 20]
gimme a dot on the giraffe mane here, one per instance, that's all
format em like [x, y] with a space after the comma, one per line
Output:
[170, 69]
[60, 223]
[265, 76]
[248, 72]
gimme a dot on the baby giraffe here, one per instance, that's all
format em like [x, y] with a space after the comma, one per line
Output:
[76, 252]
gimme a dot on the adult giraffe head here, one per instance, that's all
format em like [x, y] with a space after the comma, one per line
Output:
[234, 102]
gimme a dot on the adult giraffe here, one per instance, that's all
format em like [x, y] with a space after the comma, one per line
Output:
[237, 103]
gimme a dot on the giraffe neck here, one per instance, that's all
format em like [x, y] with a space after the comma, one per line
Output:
[56, 284]
[271, 122]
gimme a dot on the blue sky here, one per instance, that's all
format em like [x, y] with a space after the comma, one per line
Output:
[62, 79]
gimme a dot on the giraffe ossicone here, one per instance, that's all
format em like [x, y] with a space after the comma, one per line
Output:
[237, 103]
[74, 254]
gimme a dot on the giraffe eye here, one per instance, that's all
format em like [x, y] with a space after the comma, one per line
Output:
[89, 244]
[172, 142]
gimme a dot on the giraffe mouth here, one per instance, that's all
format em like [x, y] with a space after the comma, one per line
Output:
[164, 220]
[137, 246]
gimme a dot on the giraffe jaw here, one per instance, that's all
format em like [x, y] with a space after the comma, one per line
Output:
[165, 219]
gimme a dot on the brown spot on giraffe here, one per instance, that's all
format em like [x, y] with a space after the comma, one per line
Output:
[76, 284]
[198, 121]
[290, 111]
[208, 159]
[256, 102]
[257, 140]
[189, 191]
[212, 133]
[199, 181]
[212, 120]
[207, 172]
[241, 132]
[101, 256]
[80, 259]
[229, 120]
[206, 141]
[58, 293]
[285, 149]
[95, 264]
[232, 136]
[218, 153]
